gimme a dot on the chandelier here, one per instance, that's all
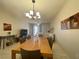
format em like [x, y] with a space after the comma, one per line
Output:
[32, 14]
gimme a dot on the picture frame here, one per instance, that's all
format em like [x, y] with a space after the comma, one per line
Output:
[7, 27]
[71, 22]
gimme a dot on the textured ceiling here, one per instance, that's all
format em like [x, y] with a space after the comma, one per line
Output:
[47, 8]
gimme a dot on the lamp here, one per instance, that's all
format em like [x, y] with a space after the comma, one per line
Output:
[32, 14]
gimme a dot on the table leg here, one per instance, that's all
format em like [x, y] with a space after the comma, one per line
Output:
[13, 55]
[50, 58]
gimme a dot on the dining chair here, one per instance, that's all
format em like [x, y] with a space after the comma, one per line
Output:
[50, 40]
[29, 37]
[40, 35]
[22, 40]
[35, 54]
[22, 35]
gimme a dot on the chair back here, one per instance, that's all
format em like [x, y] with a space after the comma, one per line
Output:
[29, 37]
[23, 35]
[26, 54]
[40, 35]
[22, 40]
[50, 40]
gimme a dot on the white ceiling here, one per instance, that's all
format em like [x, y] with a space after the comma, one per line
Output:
[47, 8]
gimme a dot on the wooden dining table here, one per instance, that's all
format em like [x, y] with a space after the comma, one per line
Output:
[34, 44]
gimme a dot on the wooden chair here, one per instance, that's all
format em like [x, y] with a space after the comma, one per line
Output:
[35, 54]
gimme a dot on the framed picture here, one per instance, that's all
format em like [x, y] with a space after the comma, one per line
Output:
[7, 27]
[71, 22]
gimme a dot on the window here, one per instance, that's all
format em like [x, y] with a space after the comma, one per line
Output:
[35, 30]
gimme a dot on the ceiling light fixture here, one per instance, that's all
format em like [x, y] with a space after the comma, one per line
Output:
[32, 14]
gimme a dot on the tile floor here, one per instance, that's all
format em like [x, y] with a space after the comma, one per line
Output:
[58, 53]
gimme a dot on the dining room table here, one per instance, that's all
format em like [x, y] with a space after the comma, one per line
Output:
[40, 43]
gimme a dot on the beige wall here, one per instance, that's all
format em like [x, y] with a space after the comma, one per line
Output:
[68, 39]
[17, 24]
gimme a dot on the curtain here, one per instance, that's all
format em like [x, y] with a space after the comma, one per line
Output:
[41, 28]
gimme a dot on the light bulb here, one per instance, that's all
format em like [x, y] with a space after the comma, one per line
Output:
[27, 14]
[39, 17]
[31, 12]
[30, 16]
[34, 17]
[37, 13]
